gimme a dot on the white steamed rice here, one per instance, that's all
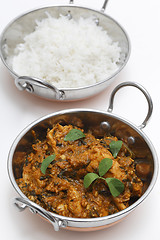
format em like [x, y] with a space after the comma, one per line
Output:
[67, 53]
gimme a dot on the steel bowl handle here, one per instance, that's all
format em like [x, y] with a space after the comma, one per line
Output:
[22, 204]
[102, 9]
[26, 83]
[104, 6]
[143, 90]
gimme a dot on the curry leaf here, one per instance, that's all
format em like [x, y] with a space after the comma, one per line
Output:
[74, 134]
[116, 187]
[104, 166]
[46, 163]
[115, 147]
[89, 178]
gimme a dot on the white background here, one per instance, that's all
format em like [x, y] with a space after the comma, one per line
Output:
[141, 20]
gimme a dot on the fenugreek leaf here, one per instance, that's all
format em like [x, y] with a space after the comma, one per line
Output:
[116, 187]
[74, 134]
[115, 147]
[104, 166]
[46, 163]
[89, 178]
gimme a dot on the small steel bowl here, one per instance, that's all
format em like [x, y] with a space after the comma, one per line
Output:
[108, 122]
[15, 31]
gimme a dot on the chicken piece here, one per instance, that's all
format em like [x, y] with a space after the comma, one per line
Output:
[125, 161]
[74, 201]
[137, 189]
[57, 135]
[31, 176]
[116, 171]
[96, 155]
[57, 185]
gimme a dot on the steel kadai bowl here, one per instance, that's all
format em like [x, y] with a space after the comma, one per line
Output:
[105, 122]
[23, 25]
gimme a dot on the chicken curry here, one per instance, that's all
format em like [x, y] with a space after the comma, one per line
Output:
[60, 188]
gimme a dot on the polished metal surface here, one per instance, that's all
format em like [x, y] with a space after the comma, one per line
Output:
[104, 123]
[27, 83]
[104, 6]
[143, 90]
[23, 25]
[22, 203]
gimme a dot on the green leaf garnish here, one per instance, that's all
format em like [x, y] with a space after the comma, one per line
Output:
[104, 166]
[115, 147]
[115, 186]
[74, 134]
[46, 163]
[89, 178]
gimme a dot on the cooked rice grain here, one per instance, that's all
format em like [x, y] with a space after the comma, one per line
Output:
[67, 53]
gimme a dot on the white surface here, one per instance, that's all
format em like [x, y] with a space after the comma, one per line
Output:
[141, 19]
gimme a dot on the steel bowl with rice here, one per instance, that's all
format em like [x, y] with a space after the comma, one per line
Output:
[82, 77]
